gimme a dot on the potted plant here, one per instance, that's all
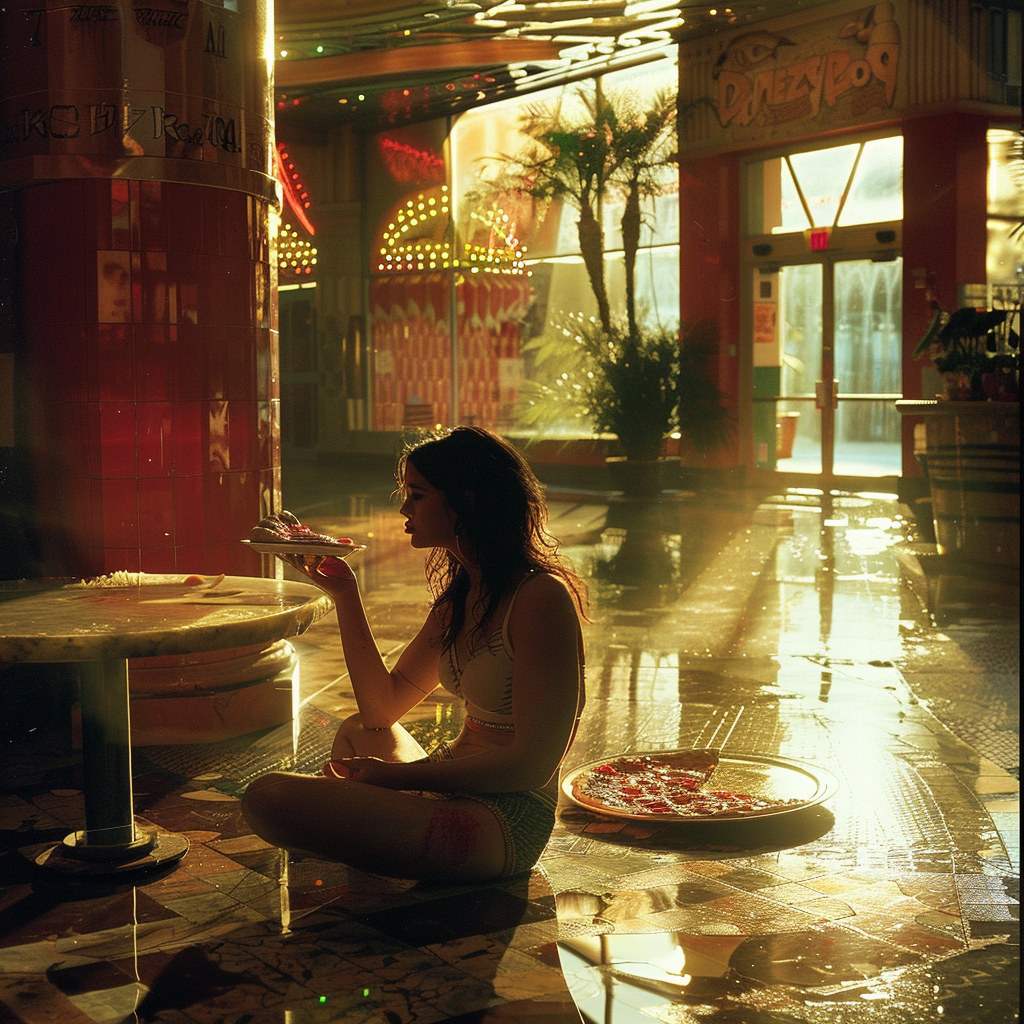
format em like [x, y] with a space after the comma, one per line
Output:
[976, 351]
[636, 380]
[968, 441]
[642, 387]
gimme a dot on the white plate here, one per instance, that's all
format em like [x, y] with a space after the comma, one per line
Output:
[284, 547]
[769, 777]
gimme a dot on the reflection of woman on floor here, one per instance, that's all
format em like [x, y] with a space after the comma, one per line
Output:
[503, 634]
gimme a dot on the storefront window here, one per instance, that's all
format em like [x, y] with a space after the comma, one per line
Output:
[859, 183]
[467, 294]
[1005, 203]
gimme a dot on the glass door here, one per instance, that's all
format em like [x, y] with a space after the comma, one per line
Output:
[827, 308]
[866, 359]
[827, 366]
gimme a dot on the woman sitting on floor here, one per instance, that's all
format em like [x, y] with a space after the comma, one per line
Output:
[503, 634]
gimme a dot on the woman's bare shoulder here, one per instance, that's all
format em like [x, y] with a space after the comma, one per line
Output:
[543, 593]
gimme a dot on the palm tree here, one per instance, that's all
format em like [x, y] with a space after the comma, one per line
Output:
[572, 159]
[586, 147]
[643, 147]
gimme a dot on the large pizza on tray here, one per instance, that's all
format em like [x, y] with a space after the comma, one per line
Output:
[676, 784]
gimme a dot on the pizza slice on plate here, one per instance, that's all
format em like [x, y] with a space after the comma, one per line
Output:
[283, 532]
[674, 784]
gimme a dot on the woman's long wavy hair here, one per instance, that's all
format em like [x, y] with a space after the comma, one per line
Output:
[501, 516]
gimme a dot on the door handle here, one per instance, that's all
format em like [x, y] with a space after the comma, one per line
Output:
[826, 394]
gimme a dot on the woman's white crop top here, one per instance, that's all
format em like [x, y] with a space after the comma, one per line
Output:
[484, 681]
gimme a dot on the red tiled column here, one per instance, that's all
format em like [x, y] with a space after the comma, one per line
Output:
[138, 143]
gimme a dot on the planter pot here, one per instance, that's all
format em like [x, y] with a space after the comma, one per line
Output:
[972, 458]
[638, 478]
[956, 387]
[785, 434]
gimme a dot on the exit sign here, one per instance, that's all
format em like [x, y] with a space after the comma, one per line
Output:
[819, 239]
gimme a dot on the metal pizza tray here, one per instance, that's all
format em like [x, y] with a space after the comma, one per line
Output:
[768, 776]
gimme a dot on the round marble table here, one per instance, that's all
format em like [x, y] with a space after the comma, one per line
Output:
[99, 625]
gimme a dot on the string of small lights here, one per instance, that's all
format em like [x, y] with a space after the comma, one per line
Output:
[425, 217]
[295, 255]
[295, 193]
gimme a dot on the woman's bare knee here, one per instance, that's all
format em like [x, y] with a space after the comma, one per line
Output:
[348, 736]
[263, 805]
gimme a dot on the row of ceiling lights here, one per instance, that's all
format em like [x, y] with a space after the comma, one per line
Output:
[595, 23]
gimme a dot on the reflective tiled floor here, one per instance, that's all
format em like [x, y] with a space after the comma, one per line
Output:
[777, 626]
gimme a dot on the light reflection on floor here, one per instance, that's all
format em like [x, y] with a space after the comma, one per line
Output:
[782, 624]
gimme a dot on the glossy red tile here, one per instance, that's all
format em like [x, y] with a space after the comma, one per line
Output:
[238, 238]
[242, 439]
[120, 513]
[122, 559]
[96, 206]
[154, 349]
[264, 298]
[179, 202]
[117, 439]
[189, 510]
[64, 349]
[240, 382]
[111, 363]
[156, 513]
[95, 490]
[54, 211]
[154, 442]
[152, 217]
[74, 431]
[211, 203]
[217, 343]
[245, 502]
[229, 557]
[217, 506]
[226, 292]
[188, 365]
[183, 272]
[107, 277]
[54, 286]
[224, 223]
[188, 430]
[155, 291]
[95, 430]
[191, 558]
[157, 558]
[218, 436]
[120, 226]
[262, 340]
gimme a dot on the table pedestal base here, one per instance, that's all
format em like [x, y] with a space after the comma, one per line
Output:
[113, 843]
[74, 858]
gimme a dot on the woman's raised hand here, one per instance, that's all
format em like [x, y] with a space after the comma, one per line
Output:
[325, 571]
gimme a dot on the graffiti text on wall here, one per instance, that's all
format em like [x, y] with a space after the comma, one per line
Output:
[71, 121]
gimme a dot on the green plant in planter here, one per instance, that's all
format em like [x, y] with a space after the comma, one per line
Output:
[641, 387]
[976, 351]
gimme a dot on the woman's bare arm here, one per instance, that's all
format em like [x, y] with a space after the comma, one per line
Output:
[547, 698]
[383, 695]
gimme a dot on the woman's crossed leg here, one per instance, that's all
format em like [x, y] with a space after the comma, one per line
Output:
[384, 831]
